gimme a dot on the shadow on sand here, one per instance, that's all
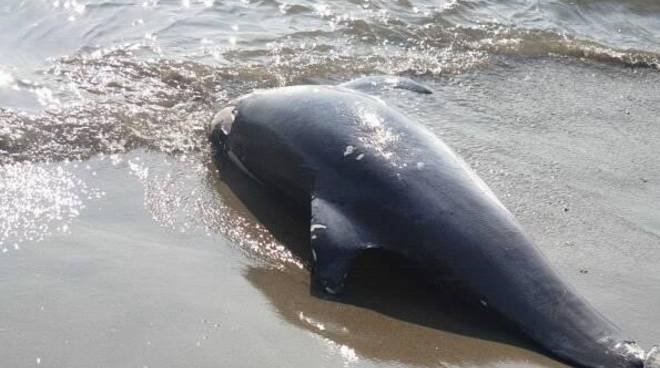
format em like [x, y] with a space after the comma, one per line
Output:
[388, 311]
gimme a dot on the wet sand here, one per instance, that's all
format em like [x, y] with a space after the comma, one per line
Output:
[121, 290]
[171, 268]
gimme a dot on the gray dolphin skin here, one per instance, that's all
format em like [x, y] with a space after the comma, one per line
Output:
[374, 178]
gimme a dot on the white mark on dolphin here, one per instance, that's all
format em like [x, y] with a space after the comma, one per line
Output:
[349, 150]
[360, 156]
[317, 226]
[330, 290]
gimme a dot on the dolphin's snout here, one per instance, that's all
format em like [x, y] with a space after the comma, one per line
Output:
[221, 125]
[224, 120]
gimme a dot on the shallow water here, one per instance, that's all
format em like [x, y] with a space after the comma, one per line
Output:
[120, 245]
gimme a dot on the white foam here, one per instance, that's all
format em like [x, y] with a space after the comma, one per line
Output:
[652, 358]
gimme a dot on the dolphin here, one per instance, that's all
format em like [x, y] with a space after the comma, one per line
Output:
[373, 178]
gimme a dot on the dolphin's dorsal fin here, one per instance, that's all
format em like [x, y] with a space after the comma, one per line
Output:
[368, 84]
[336, 240]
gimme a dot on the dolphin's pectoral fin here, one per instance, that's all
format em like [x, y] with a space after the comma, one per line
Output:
[335, 243]
[368, 84]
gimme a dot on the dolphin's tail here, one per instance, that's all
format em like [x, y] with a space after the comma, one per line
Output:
[652, 358]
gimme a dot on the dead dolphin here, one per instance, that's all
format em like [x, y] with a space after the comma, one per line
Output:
[374, 178]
